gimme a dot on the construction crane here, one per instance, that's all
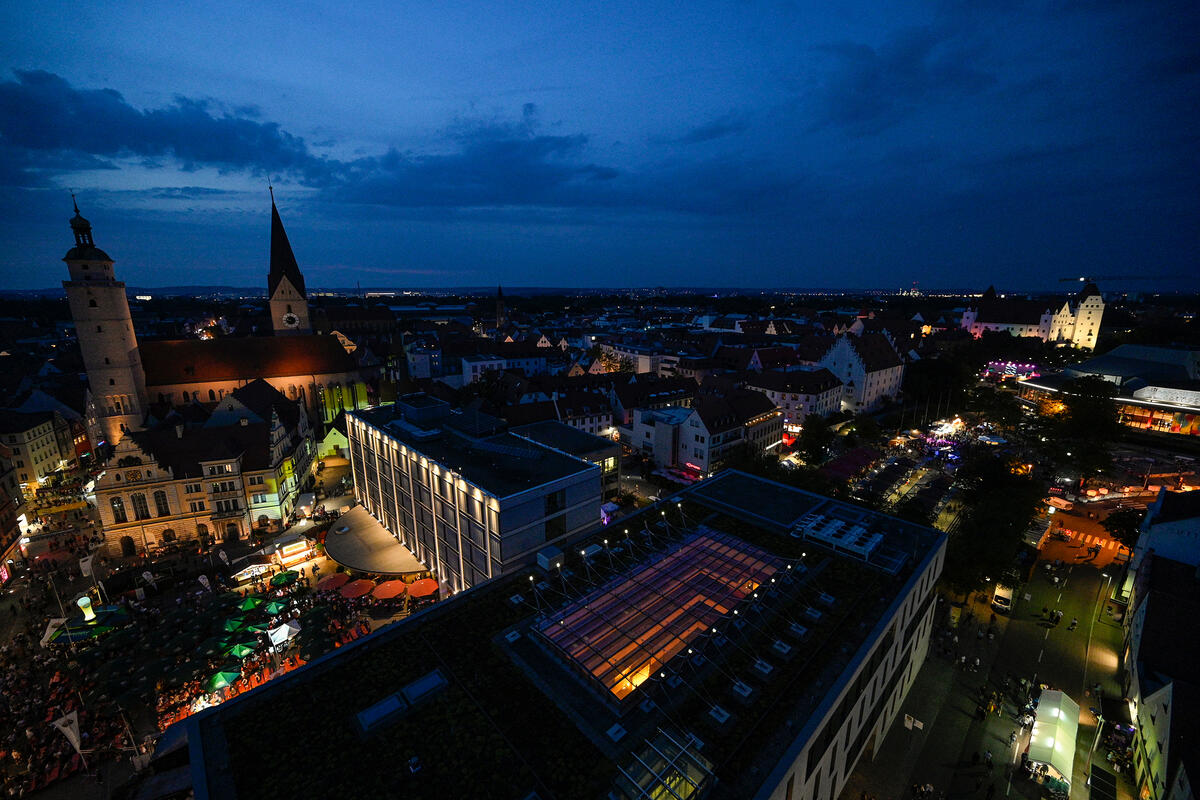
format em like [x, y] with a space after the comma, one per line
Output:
[1090, 279]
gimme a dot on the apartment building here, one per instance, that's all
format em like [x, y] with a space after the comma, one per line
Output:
[800, 393]
[471, 507]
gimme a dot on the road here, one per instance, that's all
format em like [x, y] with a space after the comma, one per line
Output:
[1025, 645]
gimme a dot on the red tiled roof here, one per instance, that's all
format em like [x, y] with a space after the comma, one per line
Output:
[177, 361]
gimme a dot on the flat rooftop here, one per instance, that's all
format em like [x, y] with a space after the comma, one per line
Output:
[563, 437]
[501, 465]
[519, 716]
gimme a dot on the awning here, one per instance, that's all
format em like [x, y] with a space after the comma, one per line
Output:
[1053, 739]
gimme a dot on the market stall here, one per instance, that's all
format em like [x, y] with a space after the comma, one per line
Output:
[1052, 742]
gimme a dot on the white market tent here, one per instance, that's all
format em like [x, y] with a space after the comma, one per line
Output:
[1053, 739]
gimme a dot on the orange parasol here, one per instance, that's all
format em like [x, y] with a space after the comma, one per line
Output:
[357, 588]
[334, 581]
[423, 588]
[389, 589]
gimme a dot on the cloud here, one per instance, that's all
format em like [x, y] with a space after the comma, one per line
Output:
[717, 129]
[45, 122]
[871, 88]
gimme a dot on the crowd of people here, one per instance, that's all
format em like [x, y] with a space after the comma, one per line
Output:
[38, 687]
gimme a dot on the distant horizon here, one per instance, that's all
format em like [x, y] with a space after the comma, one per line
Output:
[517, 290]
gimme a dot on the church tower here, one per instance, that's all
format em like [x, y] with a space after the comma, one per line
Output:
[287, 301]
[106, 338]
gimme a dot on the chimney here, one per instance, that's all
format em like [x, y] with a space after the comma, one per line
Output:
[179, 431]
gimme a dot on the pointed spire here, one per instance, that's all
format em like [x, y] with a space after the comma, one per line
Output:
[283, 261]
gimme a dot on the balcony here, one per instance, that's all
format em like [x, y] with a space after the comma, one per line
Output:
[231, 514]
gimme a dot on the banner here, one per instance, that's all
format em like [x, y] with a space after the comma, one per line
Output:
[69, 725]
[224, 558]
[85, 566]
[204, 582]
[149, 578]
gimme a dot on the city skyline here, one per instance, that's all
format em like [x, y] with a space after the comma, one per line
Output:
[863, 148]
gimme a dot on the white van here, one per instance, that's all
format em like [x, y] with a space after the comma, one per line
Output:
[1002, 599]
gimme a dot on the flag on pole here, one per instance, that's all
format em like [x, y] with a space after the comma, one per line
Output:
[69, 726]
[85, 566]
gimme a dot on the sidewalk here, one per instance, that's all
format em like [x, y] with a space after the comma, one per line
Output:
[943, 699]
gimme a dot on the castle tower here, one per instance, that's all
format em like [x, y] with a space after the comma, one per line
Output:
[1089, 311]
[106, 338]
[287, 301]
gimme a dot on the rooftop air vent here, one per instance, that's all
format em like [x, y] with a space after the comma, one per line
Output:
[798, 630]
[742, 690]
[512, 636]
[763, 668]
[826, 599]
[720, 715]
[616, 733]
[813, 614]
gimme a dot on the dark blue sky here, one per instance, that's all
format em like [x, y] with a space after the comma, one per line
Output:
[607, 144]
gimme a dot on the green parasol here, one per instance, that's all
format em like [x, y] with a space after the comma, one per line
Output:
[275, 607]
[240, 650]
[285, 578]
[234, 623]
[219, 680]
[252, 602]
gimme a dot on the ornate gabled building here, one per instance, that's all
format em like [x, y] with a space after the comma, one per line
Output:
[125, 376]
[207, 475]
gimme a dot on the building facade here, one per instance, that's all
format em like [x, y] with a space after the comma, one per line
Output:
[870, 369]
[39, 443]
[469, 508]
[800, 393]
[217, 479]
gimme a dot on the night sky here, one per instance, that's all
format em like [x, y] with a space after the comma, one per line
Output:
[810, 144]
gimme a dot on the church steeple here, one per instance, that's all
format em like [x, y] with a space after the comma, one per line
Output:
[287, 297]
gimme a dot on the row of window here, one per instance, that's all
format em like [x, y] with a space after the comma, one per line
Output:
[141, 509]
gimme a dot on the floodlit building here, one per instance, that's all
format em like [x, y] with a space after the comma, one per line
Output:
[1074, 321]
[207, 476]
[471, 504]
[870, 369]
[742, 640]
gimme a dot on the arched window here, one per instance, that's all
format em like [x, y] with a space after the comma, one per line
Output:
[140, 509]
[168, 535]
[112, 382]
[99, 329]
[92, 303]
[212, 396]
[160, 504]
[118, 508]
